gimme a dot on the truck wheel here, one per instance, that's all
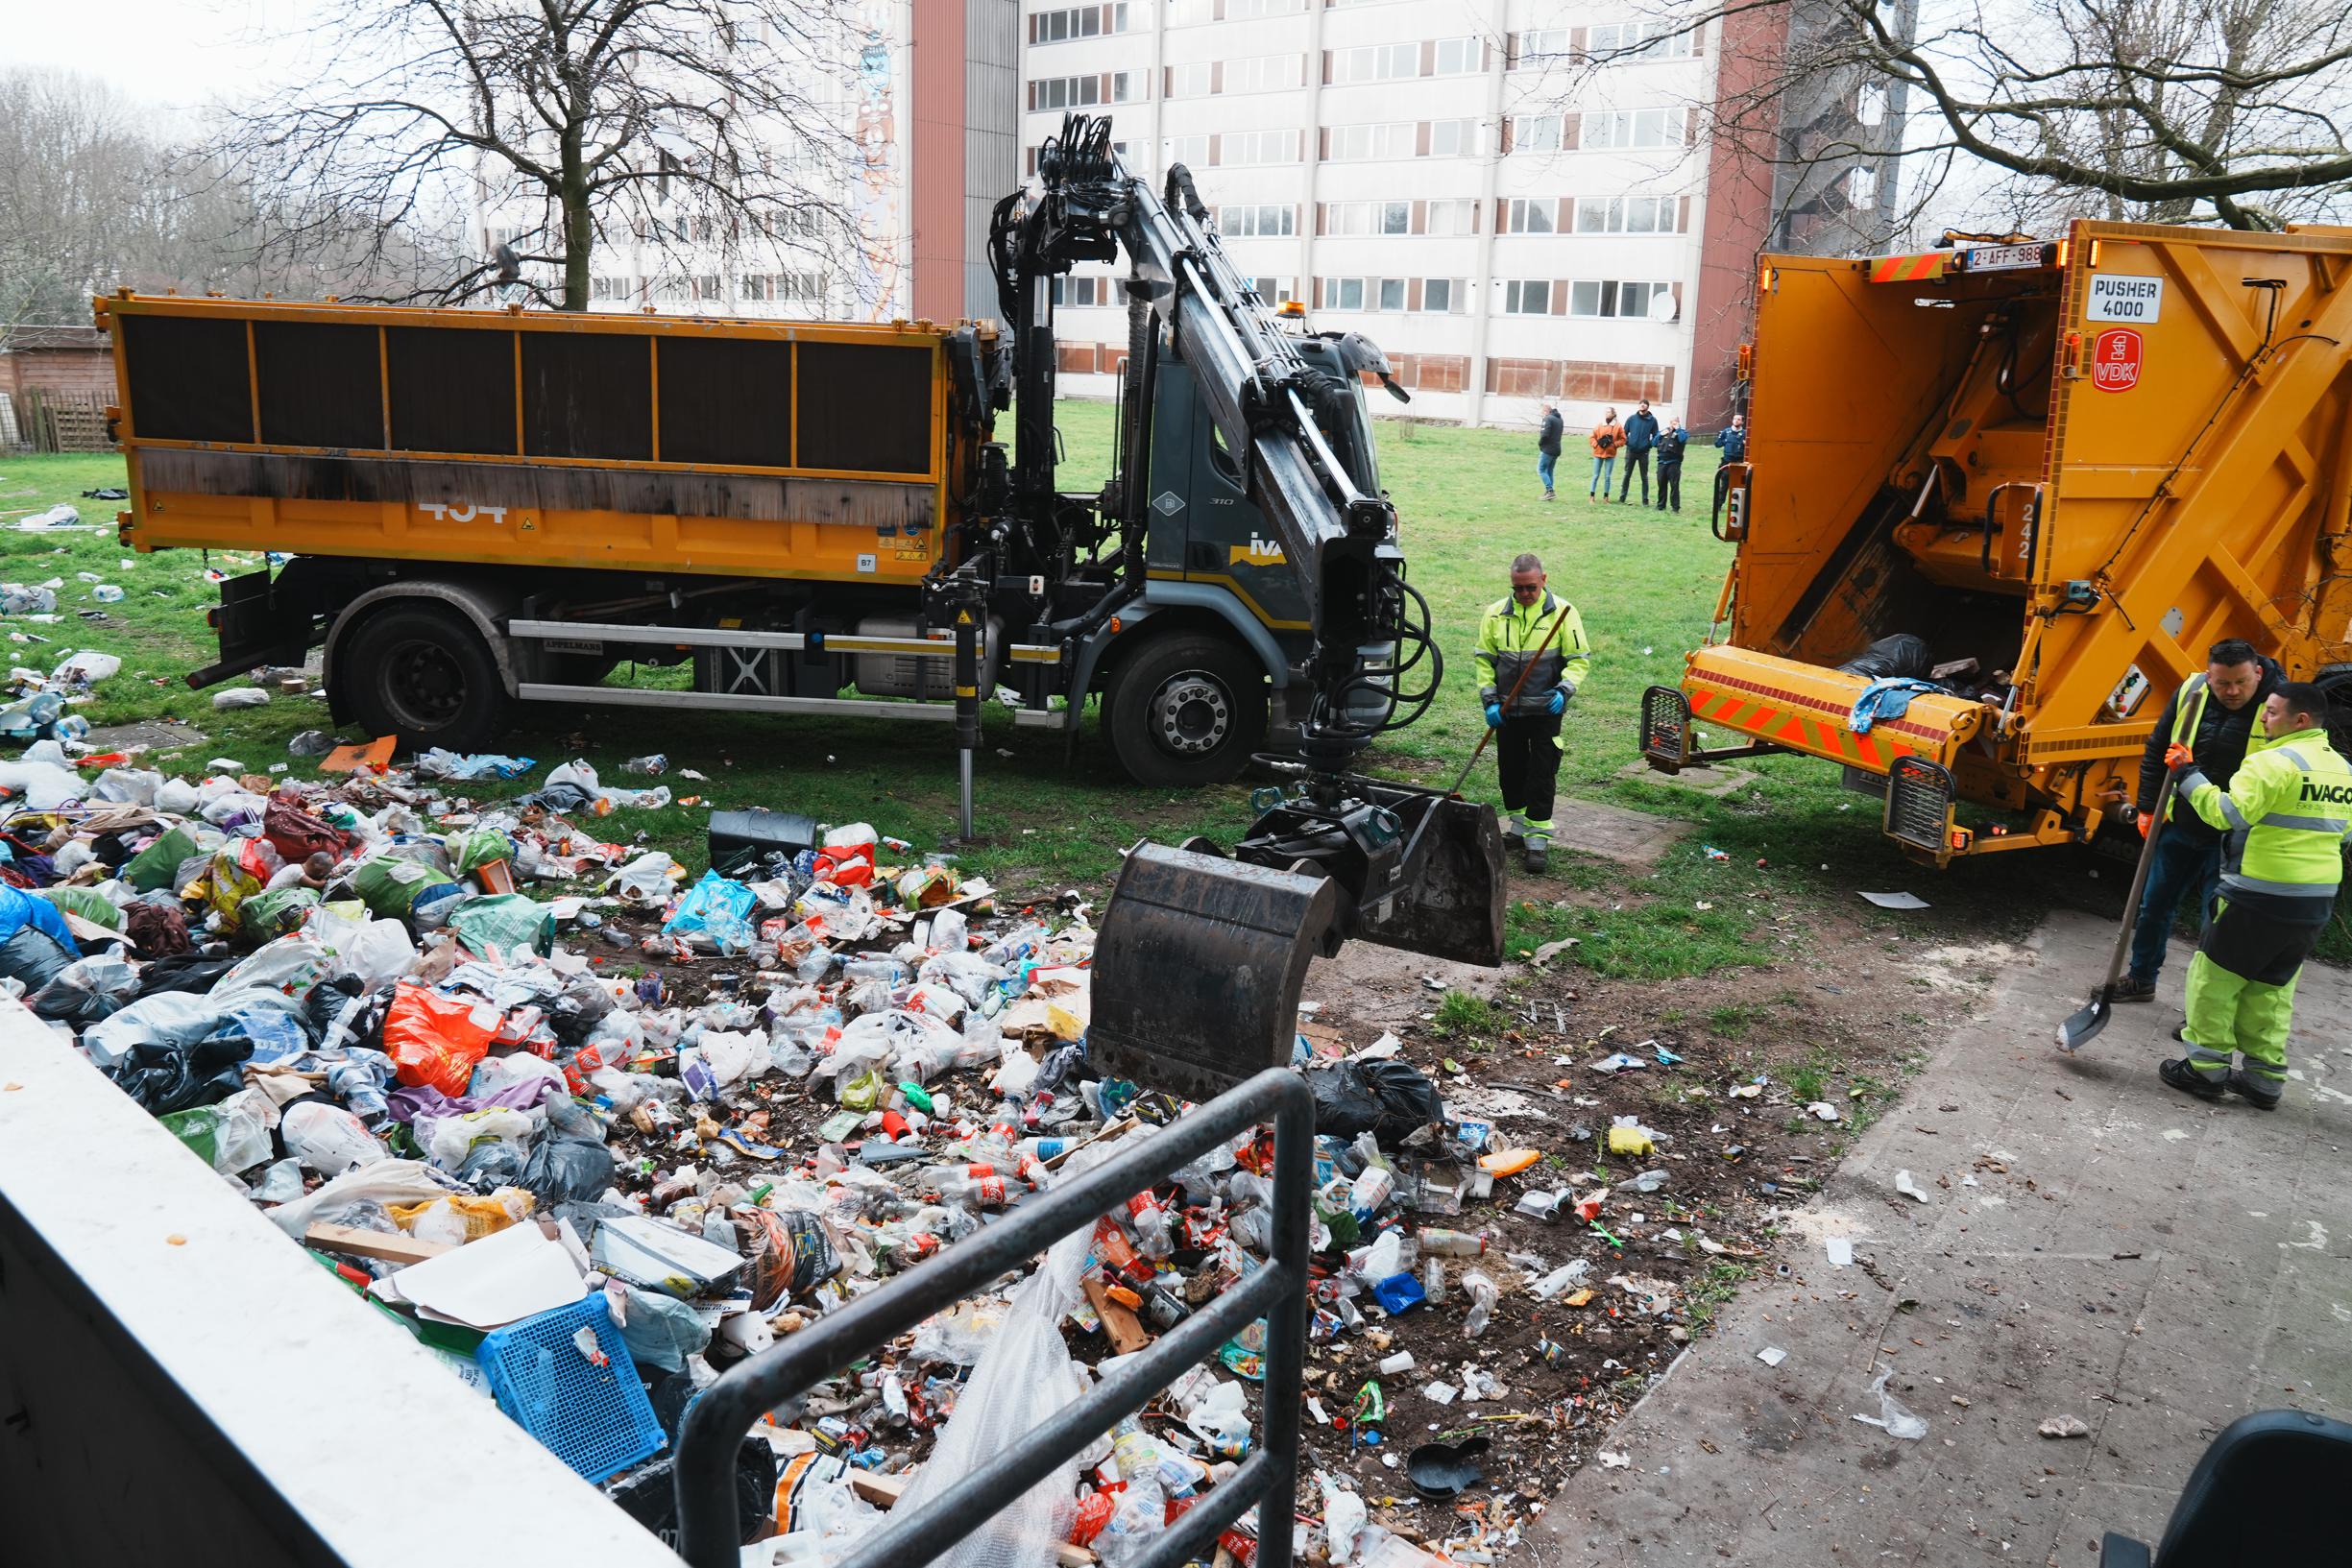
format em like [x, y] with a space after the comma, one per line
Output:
[1188, 710]
[421, 672]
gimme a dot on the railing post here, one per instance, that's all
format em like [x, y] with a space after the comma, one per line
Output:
[1286, 1327]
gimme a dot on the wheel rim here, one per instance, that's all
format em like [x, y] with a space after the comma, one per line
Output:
[423, 684]
[1192, 713]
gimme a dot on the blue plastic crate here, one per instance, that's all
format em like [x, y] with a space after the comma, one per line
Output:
[595, 1418]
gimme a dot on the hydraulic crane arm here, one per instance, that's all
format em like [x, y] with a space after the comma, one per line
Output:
[1197, 977]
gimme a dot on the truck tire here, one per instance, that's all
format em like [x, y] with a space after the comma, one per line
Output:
[421, 672]
[1188, 709]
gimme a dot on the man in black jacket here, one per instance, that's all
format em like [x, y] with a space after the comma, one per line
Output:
[1547, 445]
[1670, 444]
[1641, 436]
[2213, 714]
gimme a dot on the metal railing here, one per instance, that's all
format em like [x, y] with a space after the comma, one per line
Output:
[715, 1424]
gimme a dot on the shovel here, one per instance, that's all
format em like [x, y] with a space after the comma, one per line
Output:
[2084, 1026]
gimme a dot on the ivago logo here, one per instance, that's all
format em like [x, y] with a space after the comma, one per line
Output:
[1258, 552]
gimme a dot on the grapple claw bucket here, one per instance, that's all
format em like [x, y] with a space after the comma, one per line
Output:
[1451, 905]
[1198, 965]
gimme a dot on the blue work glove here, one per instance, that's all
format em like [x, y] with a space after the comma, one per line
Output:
[1559, 703]
[1494, 716]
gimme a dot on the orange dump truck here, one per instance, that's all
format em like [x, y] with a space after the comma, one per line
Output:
[2059, 471]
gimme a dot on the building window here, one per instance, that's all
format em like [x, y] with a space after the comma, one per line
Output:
[1635, 127]
[1862, 186]
[1258, 147]
[1456, 57]
[1444, 296]
[1084, 22]
[1197, 80]
[1193, 152]
[1522, 215]
[1245, 10]
[1640, 40]
[1870, 104]
[1626, 214]
[1263, 73]
[1527, 297]
[1535, 132]
[1541, 47]
[1392, 294]
[1340, 293]
[1259, 222]
[1376, 62]
[1620, 301]
[608, 288]
[1368, 217]
[1273, 291]
[1356, 143]
[1077, 290]
[1453, 217]
[1453, 138]
[1047, 93]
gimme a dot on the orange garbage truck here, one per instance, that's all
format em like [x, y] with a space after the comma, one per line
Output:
[2038, 480]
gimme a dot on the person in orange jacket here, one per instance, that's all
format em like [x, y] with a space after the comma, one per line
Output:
[1606, 437]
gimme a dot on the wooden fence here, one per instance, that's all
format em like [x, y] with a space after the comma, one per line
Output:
[60, 421]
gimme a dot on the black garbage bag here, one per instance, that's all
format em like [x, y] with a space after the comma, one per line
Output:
[649, 1495]
[1900, 655]
[558, 798]
[165, 1075]
[1390, 1099]
[574, 1013]
[34, 957]
[183, 971]
[491, 1163]
[566, 1170]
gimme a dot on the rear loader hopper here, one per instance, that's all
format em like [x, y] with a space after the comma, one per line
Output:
[2059, 471]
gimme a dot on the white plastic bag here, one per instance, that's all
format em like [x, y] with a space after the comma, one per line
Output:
[88, 667]
[1023, 1376]
[240, 696]
[176, 1018]
[329, 1139]
[175, 797]
[44, 786]
[1893, 1414]
[645, 880]
[386, 1182]
[136, 786]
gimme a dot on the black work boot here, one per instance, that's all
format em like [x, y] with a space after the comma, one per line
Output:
[2262, 1096]
[2131, 988]
[1538, 862]
[2178, 1074]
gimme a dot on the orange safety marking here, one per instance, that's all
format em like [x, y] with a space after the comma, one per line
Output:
[1796, 729]
[1909, 269]
[1905, 726]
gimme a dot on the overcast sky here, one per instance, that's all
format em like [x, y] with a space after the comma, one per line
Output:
[166, 54]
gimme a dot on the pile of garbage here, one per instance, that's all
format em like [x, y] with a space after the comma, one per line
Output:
[594, 1131]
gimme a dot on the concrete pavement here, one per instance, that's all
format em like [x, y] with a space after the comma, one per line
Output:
[2093, 1245]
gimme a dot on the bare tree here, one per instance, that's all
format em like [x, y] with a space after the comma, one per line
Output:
[689, 123]
[2035, 110]
[92, 198]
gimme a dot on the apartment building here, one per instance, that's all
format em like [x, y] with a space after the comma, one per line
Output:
[922, 143]
[1510, 197]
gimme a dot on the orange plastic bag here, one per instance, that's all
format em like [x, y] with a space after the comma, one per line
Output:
[435, 1040]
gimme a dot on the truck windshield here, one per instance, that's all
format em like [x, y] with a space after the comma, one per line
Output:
[1347, 424]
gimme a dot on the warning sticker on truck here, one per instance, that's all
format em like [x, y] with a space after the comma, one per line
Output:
[2115, 360]
[2119, 297]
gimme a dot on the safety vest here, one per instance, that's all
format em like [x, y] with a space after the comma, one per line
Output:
[1508, 638]
[2187, 712]
[2287, 814]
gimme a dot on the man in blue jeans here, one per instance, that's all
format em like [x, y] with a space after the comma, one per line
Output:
[2214, 714]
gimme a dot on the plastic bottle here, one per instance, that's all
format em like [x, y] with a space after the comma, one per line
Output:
[1483, 1292]
[1142, 1513]
[1014, 945]
[1152, 1229]
[975, 1192]
[1453, 1244]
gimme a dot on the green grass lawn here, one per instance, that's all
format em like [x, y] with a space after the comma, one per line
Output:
[1050, 815]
